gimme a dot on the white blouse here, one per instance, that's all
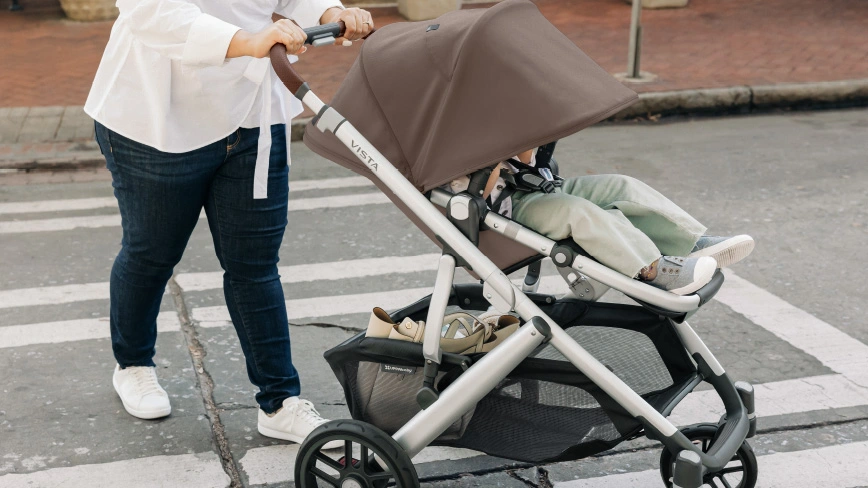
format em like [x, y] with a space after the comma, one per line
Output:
[164, 79]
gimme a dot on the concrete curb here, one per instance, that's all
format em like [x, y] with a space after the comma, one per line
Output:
[748, 99]
[707, 101]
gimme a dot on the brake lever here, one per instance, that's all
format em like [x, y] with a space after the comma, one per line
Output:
[323, 41]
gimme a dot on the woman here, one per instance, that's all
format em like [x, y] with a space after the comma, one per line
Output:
[189, 115]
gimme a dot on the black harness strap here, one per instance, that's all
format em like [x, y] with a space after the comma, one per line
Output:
[544, 154]
[541, 177]
[476, 187]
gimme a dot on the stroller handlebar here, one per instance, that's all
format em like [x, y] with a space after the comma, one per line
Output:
[335, 29]
[282, 66]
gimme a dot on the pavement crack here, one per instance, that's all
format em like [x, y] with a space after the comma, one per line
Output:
[323, 325]
[542, 476]
[479, 472]
[235, 406]
[514, 475]
[206, 385]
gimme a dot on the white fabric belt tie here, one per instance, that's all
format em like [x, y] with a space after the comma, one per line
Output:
[263, 154]
[259, 71]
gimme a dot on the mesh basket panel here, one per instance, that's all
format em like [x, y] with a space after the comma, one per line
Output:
[387, 399]
[531, 420]
[631, 355]
[545, 410]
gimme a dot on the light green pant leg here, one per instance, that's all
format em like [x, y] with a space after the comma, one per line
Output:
[607, 235]
[672, 230]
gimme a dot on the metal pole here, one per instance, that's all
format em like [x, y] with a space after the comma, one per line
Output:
[635, 40]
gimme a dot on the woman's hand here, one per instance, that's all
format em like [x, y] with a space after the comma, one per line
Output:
[359, 22]
[258, 45]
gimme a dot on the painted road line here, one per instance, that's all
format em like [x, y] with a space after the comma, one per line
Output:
[329, 184]
[337, 201]
[111, 202]
[71, 330]
[58, 205]
[200, 470]
[276, 464]
[53, 295]
[832, 347]
[305, 308]
[785, 397]
[98, 221]
[839, 466]
[335, 270]
[332, 306]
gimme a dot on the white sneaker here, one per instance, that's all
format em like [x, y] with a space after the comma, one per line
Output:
[294, 422]
[140, 392]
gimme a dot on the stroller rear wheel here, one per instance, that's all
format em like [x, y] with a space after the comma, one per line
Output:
[740, 472]
[369, 458]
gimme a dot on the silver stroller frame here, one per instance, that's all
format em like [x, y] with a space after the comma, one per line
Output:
[470, 387]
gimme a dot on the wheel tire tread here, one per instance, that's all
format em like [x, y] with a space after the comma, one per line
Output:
[694, 432]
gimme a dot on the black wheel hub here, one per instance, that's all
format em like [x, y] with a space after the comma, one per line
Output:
[741, 472]
[369, 458]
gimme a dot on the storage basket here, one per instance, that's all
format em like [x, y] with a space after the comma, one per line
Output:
[545, 410]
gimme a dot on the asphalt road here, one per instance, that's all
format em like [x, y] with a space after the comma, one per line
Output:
[791, 319]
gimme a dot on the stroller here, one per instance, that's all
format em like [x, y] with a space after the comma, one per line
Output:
[439, 99]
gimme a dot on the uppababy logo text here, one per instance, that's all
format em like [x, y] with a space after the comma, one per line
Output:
[391, 368]
[363, 155]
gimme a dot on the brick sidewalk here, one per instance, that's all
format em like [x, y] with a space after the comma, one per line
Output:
[49, 61]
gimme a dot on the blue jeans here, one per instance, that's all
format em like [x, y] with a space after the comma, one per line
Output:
[160, 196]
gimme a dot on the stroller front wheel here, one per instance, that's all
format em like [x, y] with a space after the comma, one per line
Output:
[740, 472]
[367, 458]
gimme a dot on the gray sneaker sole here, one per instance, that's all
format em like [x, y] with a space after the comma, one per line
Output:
[728, 252]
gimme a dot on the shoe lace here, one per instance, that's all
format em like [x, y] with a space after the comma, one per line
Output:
[145, 381]
[308, 412]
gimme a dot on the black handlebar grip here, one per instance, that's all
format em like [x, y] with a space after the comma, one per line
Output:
[326, 30]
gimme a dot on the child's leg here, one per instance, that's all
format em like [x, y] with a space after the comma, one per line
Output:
[672, 230]
[606, 235]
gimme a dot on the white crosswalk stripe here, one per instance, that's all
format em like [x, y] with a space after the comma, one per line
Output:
[58, 205]
[111, 202]
[276, 464]
[199, 470]
[98, 221]
[71, 330]
[839, 466]
[336, 270]
[832, 347]
[314, 308]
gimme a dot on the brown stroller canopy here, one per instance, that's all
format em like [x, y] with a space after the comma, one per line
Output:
[446, 97]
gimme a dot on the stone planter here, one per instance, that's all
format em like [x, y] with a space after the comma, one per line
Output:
[426, 9]
[90, 10]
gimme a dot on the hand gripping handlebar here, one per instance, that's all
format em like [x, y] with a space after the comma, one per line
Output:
[317, 35]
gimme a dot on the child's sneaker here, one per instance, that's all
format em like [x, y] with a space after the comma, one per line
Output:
[725, 250]
[683, 276]
[294, 422]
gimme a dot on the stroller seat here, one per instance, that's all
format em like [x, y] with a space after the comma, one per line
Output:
[576, 265]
